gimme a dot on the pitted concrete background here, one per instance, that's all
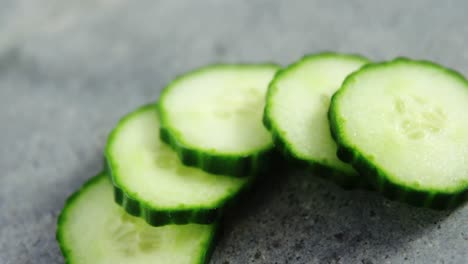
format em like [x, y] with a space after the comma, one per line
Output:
[70, 69]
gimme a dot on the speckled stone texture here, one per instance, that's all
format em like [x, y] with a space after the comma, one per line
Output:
[70, 69]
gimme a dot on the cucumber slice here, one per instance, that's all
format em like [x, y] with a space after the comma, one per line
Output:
[212, 117]
[151, 182]
[92, 229]
[404, 124]
[296, 113]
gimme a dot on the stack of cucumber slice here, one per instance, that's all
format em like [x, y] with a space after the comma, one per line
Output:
[173, 166]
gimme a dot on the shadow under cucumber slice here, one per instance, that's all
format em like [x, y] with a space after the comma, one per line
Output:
[151, 182]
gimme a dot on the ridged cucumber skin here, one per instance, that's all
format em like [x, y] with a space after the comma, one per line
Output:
[236, 166]
[165, 217]
[246, 165]
[159, 216]
[375, 175]
[343, 179]
[66, 252]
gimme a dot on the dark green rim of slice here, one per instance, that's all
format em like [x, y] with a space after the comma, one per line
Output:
[344, 179]
[381, 180]
[246, 164]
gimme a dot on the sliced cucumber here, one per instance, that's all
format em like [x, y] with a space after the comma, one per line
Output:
[92, 229]
[404, 124]
[212, 118]
[151, 182]
[296, 112]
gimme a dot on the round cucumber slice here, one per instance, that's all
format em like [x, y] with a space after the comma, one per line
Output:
[296, 113]
[92, 229]
[212, 118]
[151, 182]
[403, 123]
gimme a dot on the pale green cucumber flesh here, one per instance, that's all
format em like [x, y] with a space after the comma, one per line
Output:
[407, 121]
[297, 104]
[148, 173]
[215, 113]
[92, 229]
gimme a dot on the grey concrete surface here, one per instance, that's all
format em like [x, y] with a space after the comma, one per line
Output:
[69, 69]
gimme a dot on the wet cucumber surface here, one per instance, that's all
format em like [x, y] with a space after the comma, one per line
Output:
[401, 124]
